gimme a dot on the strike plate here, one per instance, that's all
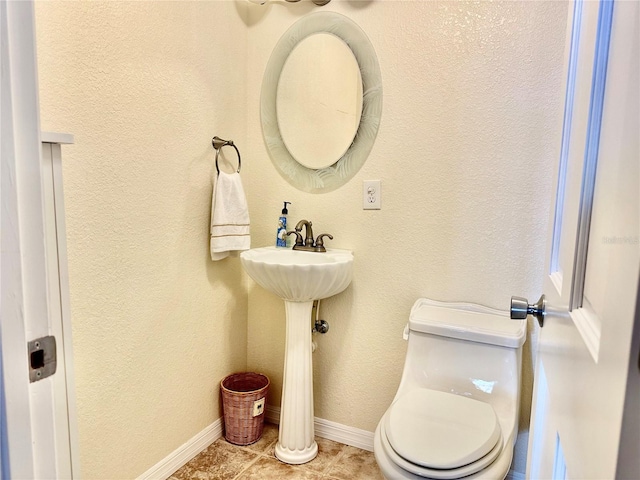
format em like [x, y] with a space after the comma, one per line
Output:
[42, 358]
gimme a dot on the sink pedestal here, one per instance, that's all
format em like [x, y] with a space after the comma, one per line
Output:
[299, 278]
[296, 443]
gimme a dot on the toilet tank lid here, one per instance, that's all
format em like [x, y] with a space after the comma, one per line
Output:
[467, 321]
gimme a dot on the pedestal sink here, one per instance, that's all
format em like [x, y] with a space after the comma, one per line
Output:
[298, 278]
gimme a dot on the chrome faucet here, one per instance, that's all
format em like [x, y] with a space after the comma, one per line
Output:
[308, 244]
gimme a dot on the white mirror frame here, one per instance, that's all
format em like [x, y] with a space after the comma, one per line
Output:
[332, 177]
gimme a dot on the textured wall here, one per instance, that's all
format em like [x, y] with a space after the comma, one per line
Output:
[470, 129]
[156, 324]
[470, 132]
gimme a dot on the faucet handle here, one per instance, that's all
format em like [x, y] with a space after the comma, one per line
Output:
[299, 240]
[319, 246]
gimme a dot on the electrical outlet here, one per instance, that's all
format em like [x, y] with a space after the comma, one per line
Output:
[371, 195]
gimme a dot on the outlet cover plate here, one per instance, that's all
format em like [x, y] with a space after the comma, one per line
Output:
[371, 195]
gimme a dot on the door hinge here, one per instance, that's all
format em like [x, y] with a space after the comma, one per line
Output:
[42, 358]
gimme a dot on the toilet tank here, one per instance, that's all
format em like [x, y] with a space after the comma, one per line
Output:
[466, 349]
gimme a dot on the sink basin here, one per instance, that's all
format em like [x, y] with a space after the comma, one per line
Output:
[299, 276]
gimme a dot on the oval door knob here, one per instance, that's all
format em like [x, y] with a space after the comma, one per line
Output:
[520, 308]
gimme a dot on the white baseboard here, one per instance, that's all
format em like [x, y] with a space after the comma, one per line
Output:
[323, 428]
[185, 452]
[350, 435]
[272, 415]
[331, 430]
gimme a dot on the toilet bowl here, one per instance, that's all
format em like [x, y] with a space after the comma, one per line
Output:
[455, 413]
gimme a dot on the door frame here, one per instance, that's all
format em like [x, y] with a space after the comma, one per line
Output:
[27, 427]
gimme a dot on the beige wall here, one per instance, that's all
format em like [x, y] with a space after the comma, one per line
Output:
[469, 134]
[144, 86]
[472, 98]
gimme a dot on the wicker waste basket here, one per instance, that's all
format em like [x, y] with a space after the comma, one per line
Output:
[243, 403]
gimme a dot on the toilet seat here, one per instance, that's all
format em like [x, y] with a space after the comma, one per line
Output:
[455, 473]
[441, 435]
[423, 425]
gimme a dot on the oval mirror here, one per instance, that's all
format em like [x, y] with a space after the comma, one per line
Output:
[319, 97]
[285, 120]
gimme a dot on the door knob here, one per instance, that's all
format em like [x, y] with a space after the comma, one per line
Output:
[520, 308]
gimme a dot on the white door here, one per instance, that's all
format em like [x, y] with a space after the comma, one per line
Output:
[585, 351]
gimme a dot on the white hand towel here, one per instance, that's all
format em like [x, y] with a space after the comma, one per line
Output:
[229, 216]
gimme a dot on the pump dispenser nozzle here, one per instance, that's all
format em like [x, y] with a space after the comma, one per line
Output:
[284, 210]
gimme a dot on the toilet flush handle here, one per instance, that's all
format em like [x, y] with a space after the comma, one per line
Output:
[520, 308]
[405, 332]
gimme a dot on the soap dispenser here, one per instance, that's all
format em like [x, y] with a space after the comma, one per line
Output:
[281, 235]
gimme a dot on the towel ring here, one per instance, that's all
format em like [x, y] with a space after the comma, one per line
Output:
[218, 143]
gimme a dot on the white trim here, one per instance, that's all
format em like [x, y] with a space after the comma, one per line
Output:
[67, 442]
[61, 417]
[24, 306]
[556, 280]
[53, 137]
[272, 415]
[66, 337]
[589, 326]
[344, 434]
[185, 452]
[572, 68]
[592, 148]
[324, 428]
[337, 432]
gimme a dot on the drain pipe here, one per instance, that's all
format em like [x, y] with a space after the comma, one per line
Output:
[319, 326]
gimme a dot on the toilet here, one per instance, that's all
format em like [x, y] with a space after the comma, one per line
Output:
[456, 410]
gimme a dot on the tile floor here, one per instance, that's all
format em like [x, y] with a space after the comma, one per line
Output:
[224, 461]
